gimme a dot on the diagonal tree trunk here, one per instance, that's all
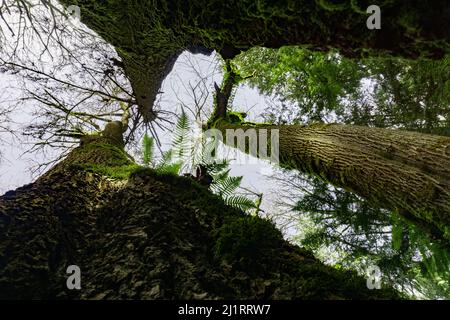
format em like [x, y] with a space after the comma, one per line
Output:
[149, 35]
[136, 234]
[407, 172]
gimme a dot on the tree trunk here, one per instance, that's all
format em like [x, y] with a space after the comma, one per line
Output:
[136, 234]
[407, 172]
[149, 35]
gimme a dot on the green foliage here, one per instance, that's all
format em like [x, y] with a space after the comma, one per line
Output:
[173, 168]
[171, 161]
[358, 232]
[180, 142]
[165, 159]
[165, 165]
[236, 117]
[148, 144]
[216, 169]
[378, 91]
[397, 232]
[222, 184]
[240, 202]
[226, 186]
[315, 81]
[310, 87]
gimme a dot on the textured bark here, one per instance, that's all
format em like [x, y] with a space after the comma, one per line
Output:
[148, 236]
[149, 35]
[407, 172]
[223, 94]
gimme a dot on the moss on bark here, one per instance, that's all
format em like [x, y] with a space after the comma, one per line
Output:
[407, 172]
[149, 35]
[149, 236]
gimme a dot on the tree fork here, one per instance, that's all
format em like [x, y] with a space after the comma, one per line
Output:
[150, 35]
[148, 236]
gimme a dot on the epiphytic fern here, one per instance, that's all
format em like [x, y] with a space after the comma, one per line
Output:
[148, 144]
[181, 146]
[226, 187]
[183, 151]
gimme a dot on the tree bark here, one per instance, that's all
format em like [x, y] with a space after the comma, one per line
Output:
[407, 172]
[149, 35]
[148, 236]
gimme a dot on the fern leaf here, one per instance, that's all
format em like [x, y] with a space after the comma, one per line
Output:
[397, 236]
[226, 187]
[240, 202]
[221, 177]
[173, 168]
[215, 169]
[147, 148]
[180, 142]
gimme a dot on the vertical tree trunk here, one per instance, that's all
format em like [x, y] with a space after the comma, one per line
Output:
[136, 234]
[403, 171]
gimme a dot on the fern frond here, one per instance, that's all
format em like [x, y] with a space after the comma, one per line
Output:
[147, 149]
[221, 176]
[240, 202]
[226, 187]
[208, 150]
[180, 142]
[165, 160]
[173, 168]
[216, 169]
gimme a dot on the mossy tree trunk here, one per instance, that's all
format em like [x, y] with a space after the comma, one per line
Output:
[407, 172]
[149, 35]
[139, 235]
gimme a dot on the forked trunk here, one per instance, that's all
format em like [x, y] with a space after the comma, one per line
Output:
[135, 234]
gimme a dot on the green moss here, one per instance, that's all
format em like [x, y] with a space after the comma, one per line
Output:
[98, 154]
[319, 125]
[168, 177]
[411, 22]
[234, 117]
[120, 172]
[249, 242]
[251, 249]
[330, 6]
